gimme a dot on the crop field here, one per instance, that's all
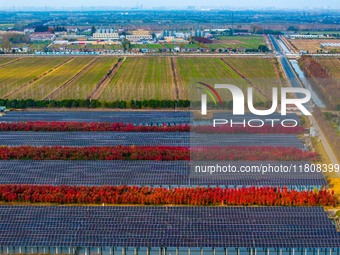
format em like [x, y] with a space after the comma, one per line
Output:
[261, 67]
[313, 45]
[85, 83]
[185, 46]
[22, 72]
[5, 60]
[141, 78]
[234, 42]
[134, 78]
[146, 46]
[263, 74]
[331, 65]
[324, 76]
[209, 70]
[42, 88]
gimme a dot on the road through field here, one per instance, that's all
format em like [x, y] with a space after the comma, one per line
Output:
[295, 83]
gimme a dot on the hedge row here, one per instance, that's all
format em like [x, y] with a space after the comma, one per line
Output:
[251, 153]
[260, 196]
[86, 103]
[120, 104]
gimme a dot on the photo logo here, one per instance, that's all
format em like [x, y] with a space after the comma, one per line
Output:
[208, 89]
[239, 99]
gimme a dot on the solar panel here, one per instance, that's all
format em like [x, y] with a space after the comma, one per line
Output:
[150, 173]
[138, 118]
[17, 138]
[167, 227]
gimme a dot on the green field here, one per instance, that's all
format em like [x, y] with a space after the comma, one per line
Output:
[4, 60]
[211, 70]
[19, 73]
[263, 74]
[137, 78]
[85, 83]
[53, 80]
[234, 42]
[185, 46]
[141, 78]
[146, 46]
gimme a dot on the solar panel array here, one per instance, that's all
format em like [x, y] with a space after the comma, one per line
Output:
[82, 226]
[166, 227]
[149, 173]
[15, 138]
[138, 118]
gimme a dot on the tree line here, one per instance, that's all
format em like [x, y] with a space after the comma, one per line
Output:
[87, 103]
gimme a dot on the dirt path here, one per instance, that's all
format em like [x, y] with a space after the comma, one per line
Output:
[36, 79]
[67, 83]
[175, 78]
[104, 82]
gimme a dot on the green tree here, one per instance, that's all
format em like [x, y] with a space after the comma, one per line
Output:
[263, 48]
[126, 45]
[41, 29]
[93, 30]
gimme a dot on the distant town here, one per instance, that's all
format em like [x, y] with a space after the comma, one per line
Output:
[131, 33]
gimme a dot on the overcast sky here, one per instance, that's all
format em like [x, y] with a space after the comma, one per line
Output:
[301, 4]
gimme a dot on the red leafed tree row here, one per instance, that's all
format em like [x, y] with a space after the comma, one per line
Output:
[261, 196]
[122, 127]
[154, 153]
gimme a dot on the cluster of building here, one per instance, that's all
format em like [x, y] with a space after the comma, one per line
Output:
[64, 41]
[110, 36]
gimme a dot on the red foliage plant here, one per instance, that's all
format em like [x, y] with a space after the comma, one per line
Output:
[260, 196]
[155, 153]
[123, 127]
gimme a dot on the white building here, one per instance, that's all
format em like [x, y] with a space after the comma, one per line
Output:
[42, 37]
[329, 44]
[306, 36]
[105, 34]
[138, 37]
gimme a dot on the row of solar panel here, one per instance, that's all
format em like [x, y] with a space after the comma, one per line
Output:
[146, 139]
[166, 227]
[153, 173]
[138, 118]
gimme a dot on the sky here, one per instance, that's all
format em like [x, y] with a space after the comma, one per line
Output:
[150, 4]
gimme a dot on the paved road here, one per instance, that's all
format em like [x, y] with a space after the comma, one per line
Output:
[296, 83]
